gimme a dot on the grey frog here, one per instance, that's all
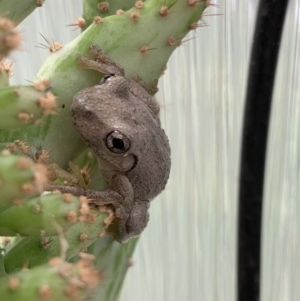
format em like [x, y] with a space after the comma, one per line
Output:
[118, 120]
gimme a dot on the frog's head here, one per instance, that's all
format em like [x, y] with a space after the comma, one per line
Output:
[103, 115]
[121, 130]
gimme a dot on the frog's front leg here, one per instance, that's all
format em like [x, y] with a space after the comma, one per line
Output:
[54, 172]
[101, 63]
[103, 197]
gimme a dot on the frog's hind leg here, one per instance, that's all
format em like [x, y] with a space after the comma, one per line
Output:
[101, 63]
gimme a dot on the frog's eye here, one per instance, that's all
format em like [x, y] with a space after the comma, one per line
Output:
[106, 77]
[117, 142]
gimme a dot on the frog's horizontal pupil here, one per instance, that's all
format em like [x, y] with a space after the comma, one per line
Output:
[118, 143]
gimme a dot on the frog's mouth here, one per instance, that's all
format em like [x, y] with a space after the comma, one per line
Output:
[122, 164]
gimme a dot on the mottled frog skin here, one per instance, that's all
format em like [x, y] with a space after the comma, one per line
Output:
[118, 120]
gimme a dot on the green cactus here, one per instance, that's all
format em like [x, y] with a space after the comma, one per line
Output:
[140, 36]
[20, 177]
[25, 105]
[56, 280]
[36, 250]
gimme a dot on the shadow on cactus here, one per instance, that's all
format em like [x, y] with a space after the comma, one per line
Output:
[43, 150]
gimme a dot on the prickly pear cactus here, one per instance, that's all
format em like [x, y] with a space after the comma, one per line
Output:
[54, 246]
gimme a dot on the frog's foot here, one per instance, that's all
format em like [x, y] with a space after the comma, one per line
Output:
[84, 63]
[101, 63]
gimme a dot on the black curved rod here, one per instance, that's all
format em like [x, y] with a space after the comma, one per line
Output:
[262, 69]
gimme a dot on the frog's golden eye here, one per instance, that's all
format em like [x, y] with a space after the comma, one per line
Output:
[117, 142]
[105, 78]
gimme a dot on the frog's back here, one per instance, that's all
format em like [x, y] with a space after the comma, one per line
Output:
[150, 176]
